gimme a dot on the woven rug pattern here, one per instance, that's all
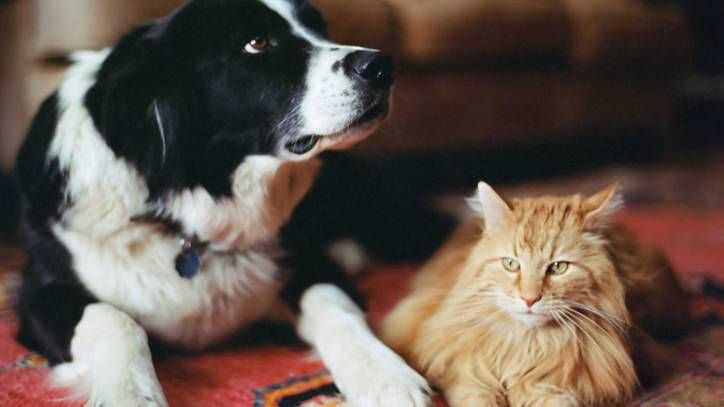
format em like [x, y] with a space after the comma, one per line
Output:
[278, 373]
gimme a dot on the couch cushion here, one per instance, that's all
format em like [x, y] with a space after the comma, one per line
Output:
[69, 25]
[13, 112]
[625, 35]
[440, 31]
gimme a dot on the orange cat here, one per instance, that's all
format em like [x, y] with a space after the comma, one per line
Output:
[538, 310]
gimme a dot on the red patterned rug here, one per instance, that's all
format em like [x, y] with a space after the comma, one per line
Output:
[254, 372]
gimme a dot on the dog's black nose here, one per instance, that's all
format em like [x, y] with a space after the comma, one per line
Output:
[370, 66]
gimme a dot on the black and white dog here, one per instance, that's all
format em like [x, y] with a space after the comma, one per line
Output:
[158, 179]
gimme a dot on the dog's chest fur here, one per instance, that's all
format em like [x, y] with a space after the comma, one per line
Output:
[131, 265]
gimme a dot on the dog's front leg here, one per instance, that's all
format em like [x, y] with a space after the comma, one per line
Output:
[366, 371]
[111, 363]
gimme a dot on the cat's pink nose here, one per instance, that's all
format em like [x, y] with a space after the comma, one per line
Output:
[531, 301]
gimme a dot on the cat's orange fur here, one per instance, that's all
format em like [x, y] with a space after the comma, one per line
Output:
[466, 327]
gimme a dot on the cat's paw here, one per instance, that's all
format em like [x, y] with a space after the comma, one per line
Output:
[382, 379]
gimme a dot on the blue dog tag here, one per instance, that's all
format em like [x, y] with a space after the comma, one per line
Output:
[188, 264]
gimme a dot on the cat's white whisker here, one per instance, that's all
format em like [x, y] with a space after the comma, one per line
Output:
[613, 320]
[581, 326]
[594, 310]
[603, 332]
[559, 319]
[595, 323]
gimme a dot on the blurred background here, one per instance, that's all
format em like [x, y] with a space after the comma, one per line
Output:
[506, 90]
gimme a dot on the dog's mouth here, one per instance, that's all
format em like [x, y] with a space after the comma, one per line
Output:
[358, 129]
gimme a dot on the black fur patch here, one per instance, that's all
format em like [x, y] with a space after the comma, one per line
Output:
[9, 206]
[51, 299]
[41, 181]
[352, 199]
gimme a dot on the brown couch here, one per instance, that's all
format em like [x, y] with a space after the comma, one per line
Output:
[473, 72]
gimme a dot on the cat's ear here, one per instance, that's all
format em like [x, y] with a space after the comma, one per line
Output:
[600, 206]
[490, 207]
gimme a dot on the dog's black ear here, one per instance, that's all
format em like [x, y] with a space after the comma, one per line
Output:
[159, 29]
[146, 107]
[178, 125]
[170, 25]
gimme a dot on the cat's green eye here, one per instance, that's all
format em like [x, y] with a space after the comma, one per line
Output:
[558, 267]
[511, 265]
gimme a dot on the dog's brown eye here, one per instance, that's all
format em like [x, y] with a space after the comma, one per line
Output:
[257, 45]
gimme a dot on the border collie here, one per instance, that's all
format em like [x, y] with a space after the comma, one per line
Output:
[157, 181]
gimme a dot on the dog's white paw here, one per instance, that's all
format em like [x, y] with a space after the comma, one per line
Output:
[138, 389]
[112, 363]
[127, 388]
[122, 388]
[380, 378]
[132, 400]
[366, 371]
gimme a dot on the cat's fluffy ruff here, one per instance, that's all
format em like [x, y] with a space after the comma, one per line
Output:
[454, 329]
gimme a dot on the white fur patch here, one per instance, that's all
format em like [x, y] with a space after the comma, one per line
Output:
[231, 223]
[134, 270]
[365, 370]
[331, 101]
[265, 192]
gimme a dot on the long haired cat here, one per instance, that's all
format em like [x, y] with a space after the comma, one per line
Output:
[539, 309]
